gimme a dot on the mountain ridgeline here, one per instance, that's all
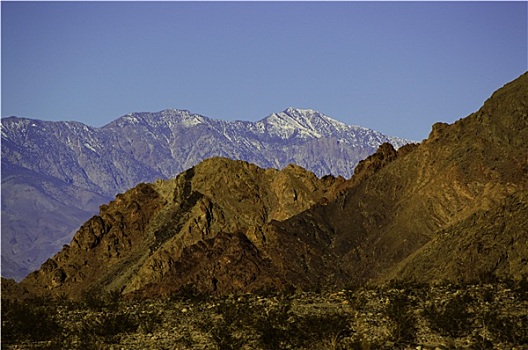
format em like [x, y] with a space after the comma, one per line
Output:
[55, 175]
[453, 208]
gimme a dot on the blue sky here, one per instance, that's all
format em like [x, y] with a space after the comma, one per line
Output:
[396, 67]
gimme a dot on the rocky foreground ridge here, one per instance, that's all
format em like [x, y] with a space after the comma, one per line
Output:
[452, 209]
[55, 175]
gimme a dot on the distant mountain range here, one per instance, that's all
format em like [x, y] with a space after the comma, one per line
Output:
[55, 175]
[453, 209]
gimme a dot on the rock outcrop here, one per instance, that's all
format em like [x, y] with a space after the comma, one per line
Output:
[201, 228]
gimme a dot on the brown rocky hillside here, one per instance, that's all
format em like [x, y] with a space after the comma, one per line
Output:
[453, 208]
[457, 199]
[200, 228]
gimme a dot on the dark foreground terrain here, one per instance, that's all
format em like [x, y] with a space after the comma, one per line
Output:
[397, 316]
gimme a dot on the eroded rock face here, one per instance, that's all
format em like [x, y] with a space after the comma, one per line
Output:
[103, 243]
[201, 228]
[375, 162]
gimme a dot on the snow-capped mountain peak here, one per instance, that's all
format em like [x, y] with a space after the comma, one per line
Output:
[305, 124]
[290, 122]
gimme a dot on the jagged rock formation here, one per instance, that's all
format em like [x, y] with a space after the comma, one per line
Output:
[55, 175]
[452, 208]
[201, 228]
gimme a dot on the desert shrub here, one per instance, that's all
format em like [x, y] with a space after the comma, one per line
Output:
[522, 289]
[274, 325]
[224, 337]
[240, 321]
[400, 311]
[99, 301]
[224, 329]
[327, 330]
[286, 292]
[266, 292]
[358, 299]
[481, 343]
[507, 328]
[108, 325]
[488, 295]
[148, 322]
[189, 293]
[450, 317]
[29, 320]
